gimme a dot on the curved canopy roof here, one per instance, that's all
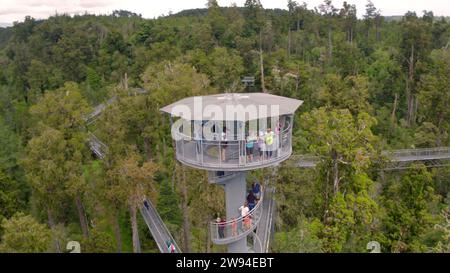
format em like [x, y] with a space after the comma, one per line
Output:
[232, 106]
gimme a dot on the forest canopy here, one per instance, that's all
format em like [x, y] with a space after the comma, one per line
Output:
[368, 84]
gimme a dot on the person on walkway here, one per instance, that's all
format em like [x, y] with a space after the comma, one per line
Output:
[251, 200]
[244, 214]
[221, 227]
[146, 204]
[170, 246]
[249, 145]
[198, 135]
[261, 146]
[269, 139]
[224, 144]
[256, 189]
[278, 138]
[244, 209]
[233, 227]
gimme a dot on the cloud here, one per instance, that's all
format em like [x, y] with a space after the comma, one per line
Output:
[14, 10]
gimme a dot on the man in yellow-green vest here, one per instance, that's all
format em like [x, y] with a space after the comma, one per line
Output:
[269, 139]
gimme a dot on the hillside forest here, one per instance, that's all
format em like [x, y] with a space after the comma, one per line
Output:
[368, 84]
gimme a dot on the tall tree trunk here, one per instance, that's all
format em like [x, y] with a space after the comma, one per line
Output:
[261, 64]
[351, 35]
[117, 233]
[51, 223]
[82, 216]
[394, 110]
[330, 44]
[409, 83]
[289, 43]
[184, 207]
[134, 228]
[148, 149]
[334, 156]
[208, 239]
[125, 81]
[377, 28]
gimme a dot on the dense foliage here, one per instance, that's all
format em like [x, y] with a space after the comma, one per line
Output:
[368, 85]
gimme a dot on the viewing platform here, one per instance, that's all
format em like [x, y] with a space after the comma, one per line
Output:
[232, 154]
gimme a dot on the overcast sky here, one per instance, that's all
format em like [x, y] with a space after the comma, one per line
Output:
[16, 10]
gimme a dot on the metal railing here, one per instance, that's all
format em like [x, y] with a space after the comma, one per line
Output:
[157, 228]
[305, 161]
[232, 154]
[404, 155]
[96, 146]
[266, 223]
[254, 244]
[236, 229]
[418, 154]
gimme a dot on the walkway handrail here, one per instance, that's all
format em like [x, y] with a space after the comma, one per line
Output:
[418, 152]
[231, 154]
[256, 245]
[403, 155]
[180, 135]
[265, 227]
[166, 230]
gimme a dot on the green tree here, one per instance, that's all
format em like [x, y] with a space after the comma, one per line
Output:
[300, 239]
[168, 204]
[9, 196]
[407, 206]
[415, 47]
[57, 152]
[23, 234]
[345, 145]
[434, 95]
[254, 17]
[351, 93]
[133, 182]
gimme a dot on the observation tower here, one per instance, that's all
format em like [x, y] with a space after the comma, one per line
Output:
[229, 135]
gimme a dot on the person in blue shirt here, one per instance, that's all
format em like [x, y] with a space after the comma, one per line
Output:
[249, 145]
[256, 189]
[251, 200]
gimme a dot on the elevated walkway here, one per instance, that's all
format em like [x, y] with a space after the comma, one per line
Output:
[397, 158]
[266, 223]
[158, 229]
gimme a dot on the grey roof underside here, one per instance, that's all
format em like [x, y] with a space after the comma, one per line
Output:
[276, 105]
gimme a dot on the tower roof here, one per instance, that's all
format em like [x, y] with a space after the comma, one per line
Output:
[232, 106]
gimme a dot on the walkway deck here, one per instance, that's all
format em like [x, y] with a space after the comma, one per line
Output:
[157, 228]
[396, 156]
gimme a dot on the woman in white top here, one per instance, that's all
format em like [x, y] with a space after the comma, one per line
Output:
[244, 213]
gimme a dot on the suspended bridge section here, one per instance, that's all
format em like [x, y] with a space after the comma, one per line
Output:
[395, 160]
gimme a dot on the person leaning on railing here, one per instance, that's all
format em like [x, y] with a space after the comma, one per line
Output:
[224, 143]
[261, 145]
[244, 209]
[233, 227]
[221, 227]
[251, 200]
[249, 145]
[256, 189]
[269, 139]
